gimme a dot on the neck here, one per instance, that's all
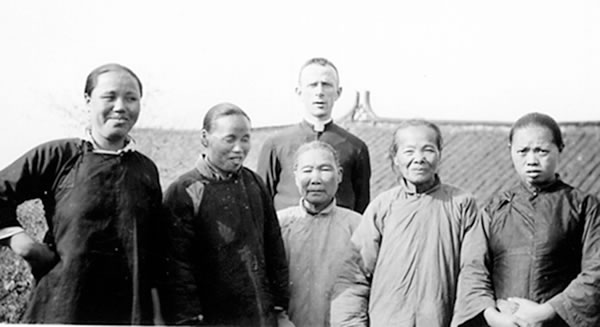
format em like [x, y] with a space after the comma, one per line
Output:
[107, 144]
[317, 120]
[540, 185]
[422, 187]
[313, 208]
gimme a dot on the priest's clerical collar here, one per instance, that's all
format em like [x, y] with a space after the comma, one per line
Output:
[317, 125]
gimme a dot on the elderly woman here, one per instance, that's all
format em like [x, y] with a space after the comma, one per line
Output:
[101, 199]
[315, 233]
[534, 256]
[406, 250]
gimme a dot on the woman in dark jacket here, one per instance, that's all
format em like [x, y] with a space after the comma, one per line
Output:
[534, 257]
[101, 197]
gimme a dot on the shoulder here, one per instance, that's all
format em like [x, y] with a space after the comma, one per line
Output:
[585, 201]
[60, 146]
[350, 137]
[284, 135]
[189, 183]
[249, 174]
[348, 216]
[457, 194]
[289, 215]
[382, 202]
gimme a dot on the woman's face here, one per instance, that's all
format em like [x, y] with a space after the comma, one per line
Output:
[228, 142]
[418, 156]
[534, 154]
[114, 106]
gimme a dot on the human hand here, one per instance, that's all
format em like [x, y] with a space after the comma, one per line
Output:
[39, 256]
[533, 313]
[495, 318]
[283, 320]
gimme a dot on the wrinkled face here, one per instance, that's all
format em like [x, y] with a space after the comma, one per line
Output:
[418, 155]
[228, 142]
[114, 105]
[318, 90]
[534, 154]
[317, 176]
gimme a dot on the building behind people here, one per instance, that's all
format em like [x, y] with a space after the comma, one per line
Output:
[316, 234]
[533, 258]
[99, 259]
[404, 260]
[226, 262]
[318, 89]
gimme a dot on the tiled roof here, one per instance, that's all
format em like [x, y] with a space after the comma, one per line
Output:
[475, 156]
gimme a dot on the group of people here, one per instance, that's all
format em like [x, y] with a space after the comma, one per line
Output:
[299, 241]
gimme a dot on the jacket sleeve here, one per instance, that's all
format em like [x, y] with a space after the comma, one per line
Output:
[351, 291]
[276, 262]
[32, 176]
[474, 290]
[361, 179]
[180, 298]
[269, 167]
[578, 303]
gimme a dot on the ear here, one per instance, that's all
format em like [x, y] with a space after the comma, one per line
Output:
[298, 91]
[340, 175]
[87, 98]
[339, 92]
[204, 138]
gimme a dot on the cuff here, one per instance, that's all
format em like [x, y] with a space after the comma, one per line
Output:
[8, 232]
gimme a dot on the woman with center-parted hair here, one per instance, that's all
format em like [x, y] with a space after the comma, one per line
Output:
[98, 262]
[533, 257]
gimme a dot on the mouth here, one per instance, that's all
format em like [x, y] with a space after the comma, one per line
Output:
[533, 172]
[319, 104]
[119, 118]
[236, 159]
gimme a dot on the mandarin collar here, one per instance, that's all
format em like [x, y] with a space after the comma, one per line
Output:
[317, 126]
[545, 188]
[209, 170]
[410, 190]
[87, 138]
[325, 212]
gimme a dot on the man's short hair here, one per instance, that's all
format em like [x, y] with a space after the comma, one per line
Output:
[319, 61]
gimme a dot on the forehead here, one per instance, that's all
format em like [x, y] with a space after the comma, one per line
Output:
[118, 79]
[533, 134]
[316, 156]
[413, 135]
[230, 124]
[316, 72]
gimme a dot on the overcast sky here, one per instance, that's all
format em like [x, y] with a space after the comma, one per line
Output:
[436, 59]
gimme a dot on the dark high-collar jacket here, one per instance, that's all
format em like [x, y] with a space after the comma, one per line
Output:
[102, 211]
[540, 244]
[227, 260]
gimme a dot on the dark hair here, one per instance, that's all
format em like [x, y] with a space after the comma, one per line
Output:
[316, 145]
[220, 110]
[92, 78]
[541, 120]
[319, 61]
[413, 123]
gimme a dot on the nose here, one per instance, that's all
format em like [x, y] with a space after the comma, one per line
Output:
[419, 157]
[319, 89]
[119, 105]
[315, 176]
[237, 147]
[531, 159]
